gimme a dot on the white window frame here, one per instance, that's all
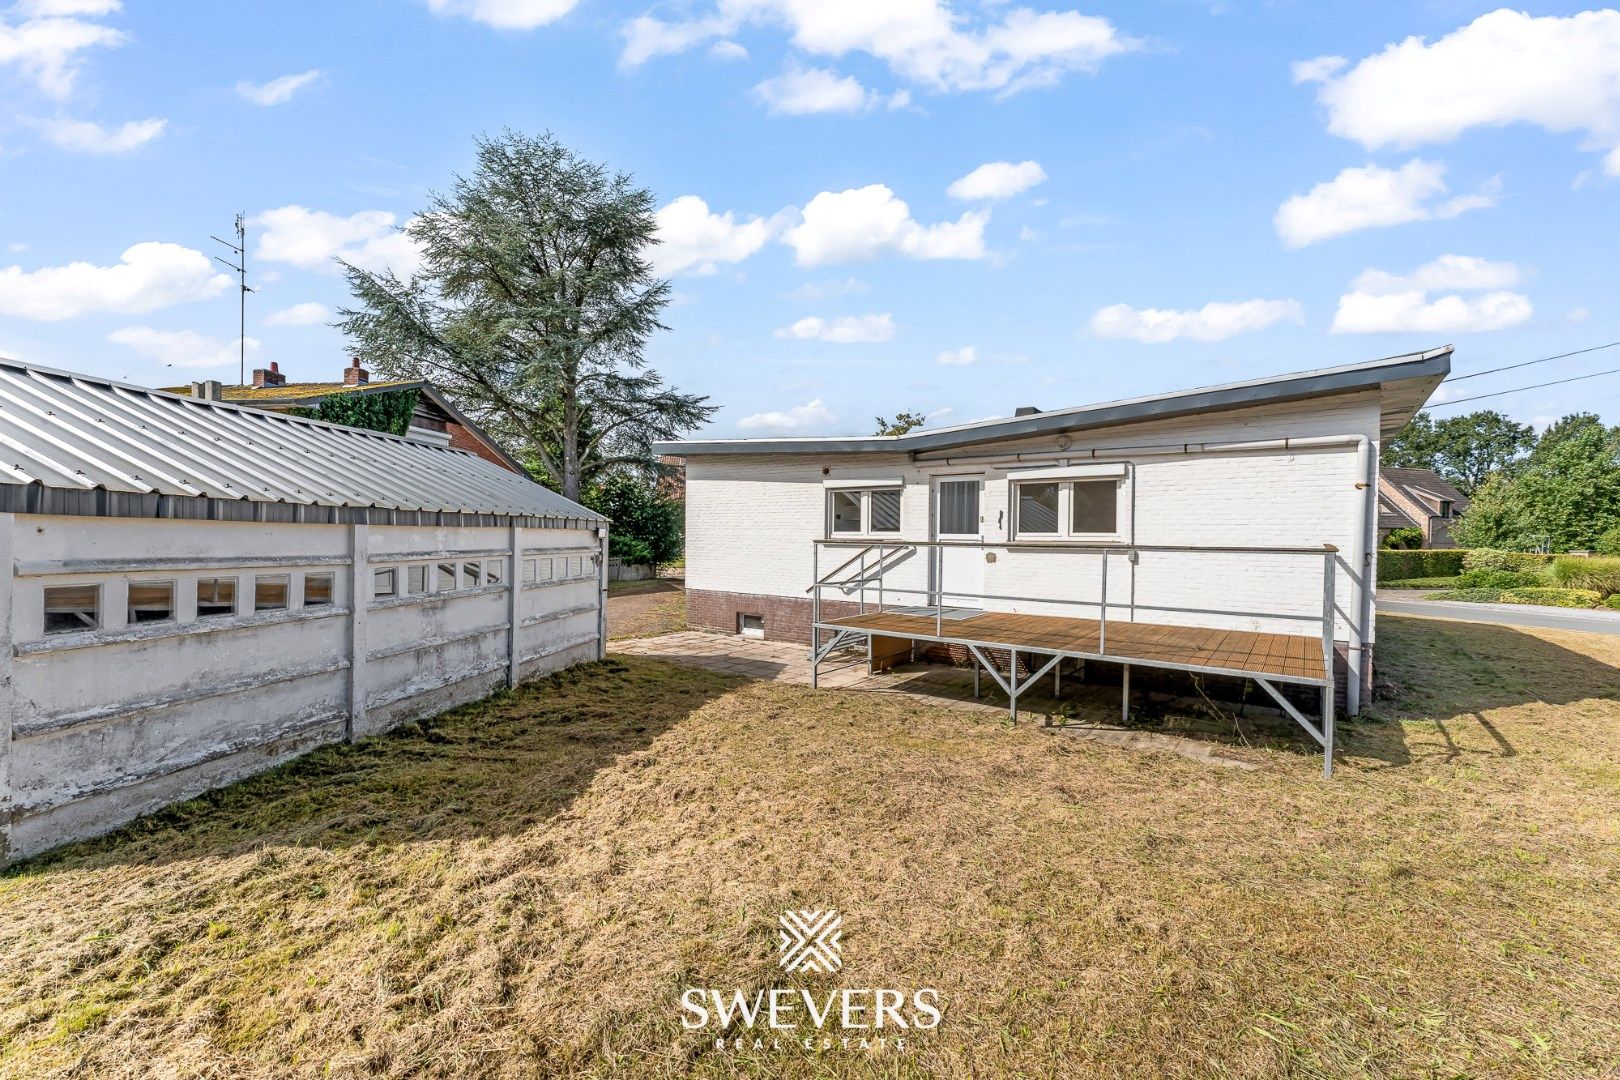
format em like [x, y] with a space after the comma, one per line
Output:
[863, 490]
[1065, 478]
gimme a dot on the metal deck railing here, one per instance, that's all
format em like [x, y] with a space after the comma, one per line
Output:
[862, 579]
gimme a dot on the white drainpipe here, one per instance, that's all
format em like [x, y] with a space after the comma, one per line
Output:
[1359, 560]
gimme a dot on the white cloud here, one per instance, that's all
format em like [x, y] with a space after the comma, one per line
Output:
[692, 238]
[813, 414]
[1372, 197]
[47, 9]
[1413, 312]
[862, 223]
[1446, 272]
[306, 314]
[277, 91]
[1505, 67]
[728, 50]
[1578, 315]
[86, 137]
[799, 91]
[312, 239]
[925, 42]
[181, 348]
[149, 276]
[997, 180]
[1212, 322]
[1320, 69]
[843, 330]
[505, 14]
[48, 43]
[819, 292]
[1383, 303]
[962, 357]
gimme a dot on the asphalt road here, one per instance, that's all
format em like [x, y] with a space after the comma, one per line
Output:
[1411, 602]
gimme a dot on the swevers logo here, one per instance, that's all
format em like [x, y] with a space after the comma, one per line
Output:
[811, 942]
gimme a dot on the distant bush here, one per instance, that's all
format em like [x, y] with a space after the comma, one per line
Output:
[1599, 573]
[1425, 563]
[1403, 539]
[1566, 598]
[1519, 562]
[1613, 601]
[1421, 583]
[1497, 579]
[1608, 543]
[1576, 598]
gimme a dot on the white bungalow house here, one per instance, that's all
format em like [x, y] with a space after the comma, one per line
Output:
[1225, 530]
[191, 591]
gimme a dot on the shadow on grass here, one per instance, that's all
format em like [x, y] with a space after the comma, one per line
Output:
[490, 768]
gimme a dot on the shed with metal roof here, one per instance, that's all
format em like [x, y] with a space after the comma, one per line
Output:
[196, 590]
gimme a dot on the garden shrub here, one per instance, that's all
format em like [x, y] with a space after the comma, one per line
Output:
[1573, 598]
[1469, 596]
[1519, 562]
[1497, 579]
[1551, 597]
[1613, 601]
[1424, 563]
[1599, 573]
[1608, 543]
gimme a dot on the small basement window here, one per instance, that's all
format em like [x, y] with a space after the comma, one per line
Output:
[216, 597]
[416, 578]
[471, 575]
[531, 570]
[270, 592]
[72, 608]
[150, 601]
[447, 578]
[317, 590]
[751, 625]
[384, 583]
[495, 571]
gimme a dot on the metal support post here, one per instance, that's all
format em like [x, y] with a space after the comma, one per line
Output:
[1125, 696]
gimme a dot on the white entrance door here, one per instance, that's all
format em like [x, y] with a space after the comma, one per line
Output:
[959, 572]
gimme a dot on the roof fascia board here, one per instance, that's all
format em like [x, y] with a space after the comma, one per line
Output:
[1281, 390]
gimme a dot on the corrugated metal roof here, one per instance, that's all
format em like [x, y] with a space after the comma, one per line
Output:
[82, 433]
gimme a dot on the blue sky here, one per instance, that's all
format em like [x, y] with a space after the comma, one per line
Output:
[1176, 193]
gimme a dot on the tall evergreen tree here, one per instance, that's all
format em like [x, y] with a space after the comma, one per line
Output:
[532, 309]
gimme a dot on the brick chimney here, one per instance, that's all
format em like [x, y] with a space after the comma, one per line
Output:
[272, 377]
[355, 375]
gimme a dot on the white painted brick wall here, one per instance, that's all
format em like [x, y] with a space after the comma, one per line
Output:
[751, 519]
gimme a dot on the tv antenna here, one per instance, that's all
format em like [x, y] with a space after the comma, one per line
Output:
[239, 249]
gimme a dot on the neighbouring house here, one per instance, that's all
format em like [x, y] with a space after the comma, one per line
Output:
[1224, 531]
[434, 420]
[1418, 499]
[194, 591]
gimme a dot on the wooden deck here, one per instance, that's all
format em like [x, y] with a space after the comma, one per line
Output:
[1289, 657]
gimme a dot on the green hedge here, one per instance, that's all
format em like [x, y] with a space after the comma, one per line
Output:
[1424, 563]
[1517, 562]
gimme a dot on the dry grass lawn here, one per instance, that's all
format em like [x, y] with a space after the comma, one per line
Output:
[524, 887]
[645, 608]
